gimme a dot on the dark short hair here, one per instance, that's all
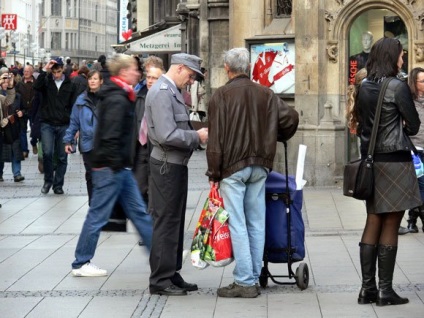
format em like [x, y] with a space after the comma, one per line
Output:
[383, 59]
[93, 72]
[56, 66]
[83, 70]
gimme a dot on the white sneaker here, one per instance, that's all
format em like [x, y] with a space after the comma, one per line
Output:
[89, 270]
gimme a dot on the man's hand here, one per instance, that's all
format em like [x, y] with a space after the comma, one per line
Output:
[49, 65]
[68, 149]
[214, 184]
[203, 135]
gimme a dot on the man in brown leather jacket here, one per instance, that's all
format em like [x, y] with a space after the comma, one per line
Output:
[245, 119]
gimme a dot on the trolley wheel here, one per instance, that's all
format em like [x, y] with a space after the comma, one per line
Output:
[263, 279]
[302, 276]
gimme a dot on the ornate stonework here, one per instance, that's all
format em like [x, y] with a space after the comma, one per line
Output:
[332, 51]
[419, 52]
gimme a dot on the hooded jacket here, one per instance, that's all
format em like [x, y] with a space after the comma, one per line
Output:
[399, 118]
[84, 120]
[114, 138]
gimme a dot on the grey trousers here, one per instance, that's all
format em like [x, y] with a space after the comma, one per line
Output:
[168, 198]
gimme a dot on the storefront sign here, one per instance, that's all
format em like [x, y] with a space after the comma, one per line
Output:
[168, 40]
[9, 21]
[123, 21]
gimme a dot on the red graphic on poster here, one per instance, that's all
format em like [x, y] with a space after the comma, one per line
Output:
[9, 21]
[262, 67]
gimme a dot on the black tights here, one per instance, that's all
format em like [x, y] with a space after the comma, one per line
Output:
[382, 229]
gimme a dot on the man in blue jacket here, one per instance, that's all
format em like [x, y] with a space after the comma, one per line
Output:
[58, 95]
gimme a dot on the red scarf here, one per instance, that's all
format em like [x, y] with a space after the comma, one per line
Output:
[118, 81]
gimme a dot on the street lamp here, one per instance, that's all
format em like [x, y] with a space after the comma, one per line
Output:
[14, 37]
[25, 46]
[2, 36]
[41, 54]
[34, 47]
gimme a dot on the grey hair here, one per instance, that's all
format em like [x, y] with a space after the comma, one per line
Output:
[238, 60]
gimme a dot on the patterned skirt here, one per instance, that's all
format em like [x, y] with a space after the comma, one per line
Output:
[395, 188]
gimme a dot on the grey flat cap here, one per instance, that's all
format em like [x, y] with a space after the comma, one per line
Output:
[191, 61]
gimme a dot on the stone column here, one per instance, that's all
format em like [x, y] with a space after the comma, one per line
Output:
[218, 32]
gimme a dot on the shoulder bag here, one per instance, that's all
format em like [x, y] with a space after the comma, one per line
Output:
[358, 175]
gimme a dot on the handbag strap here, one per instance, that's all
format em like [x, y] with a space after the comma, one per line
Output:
[373, 138]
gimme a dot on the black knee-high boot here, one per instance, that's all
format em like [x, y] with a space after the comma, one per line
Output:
[386, 265]
[368, 258]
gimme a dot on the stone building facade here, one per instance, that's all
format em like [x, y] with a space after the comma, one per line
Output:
[323, 35]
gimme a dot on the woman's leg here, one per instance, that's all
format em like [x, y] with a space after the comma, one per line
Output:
[387, 250]
[368, 258]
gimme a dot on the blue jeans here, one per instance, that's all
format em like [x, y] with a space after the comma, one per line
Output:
[16, 167]
[108, 187]
[244, 199]
[52, 142]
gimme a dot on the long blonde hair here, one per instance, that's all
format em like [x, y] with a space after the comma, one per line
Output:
[352, 90]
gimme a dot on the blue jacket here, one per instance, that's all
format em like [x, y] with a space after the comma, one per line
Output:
[84, 119]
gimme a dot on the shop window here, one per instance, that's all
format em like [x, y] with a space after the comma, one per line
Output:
[368, 28]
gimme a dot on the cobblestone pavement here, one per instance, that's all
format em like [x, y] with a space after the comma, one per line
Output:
[38, 234]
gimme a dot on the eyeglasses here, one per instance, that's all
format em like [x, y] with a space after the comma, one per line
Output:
[192, 76]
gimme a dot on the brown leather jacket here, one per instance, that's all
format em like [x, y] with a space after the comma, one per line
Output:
[245, 119]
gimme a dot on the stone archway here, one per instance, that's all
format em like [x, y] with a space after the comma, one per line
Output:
[340, 21]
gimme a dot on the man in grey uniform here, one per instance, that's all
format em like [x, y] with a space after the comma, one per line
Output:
[173, 140]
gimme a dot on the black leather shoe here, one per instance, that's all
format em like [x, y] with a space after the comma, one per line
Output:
[58, 191]
[171, 290]
[46, 188]
[187, 286]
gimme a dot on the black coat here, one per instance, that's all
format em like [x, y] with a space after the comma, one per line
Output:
[399, 118]
[114, 139]
[56, 104]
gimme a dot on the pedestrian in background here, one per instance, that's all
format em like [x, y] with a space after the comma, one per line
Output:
[83, 121]
[153, 67]
[80, 81]
[244, 121]
[416, 84]
[173, 141]
[26, 89]
[198, 95]
[58, 96]
[6, 101]
[112, 160]
[395, 185]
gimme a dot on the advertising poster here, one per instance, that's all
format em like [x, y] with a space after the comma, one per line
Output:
[273, 65]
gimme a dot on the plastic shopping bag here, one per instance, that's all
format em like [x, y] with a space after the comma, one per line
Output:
[211, 240]
[419, 167]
